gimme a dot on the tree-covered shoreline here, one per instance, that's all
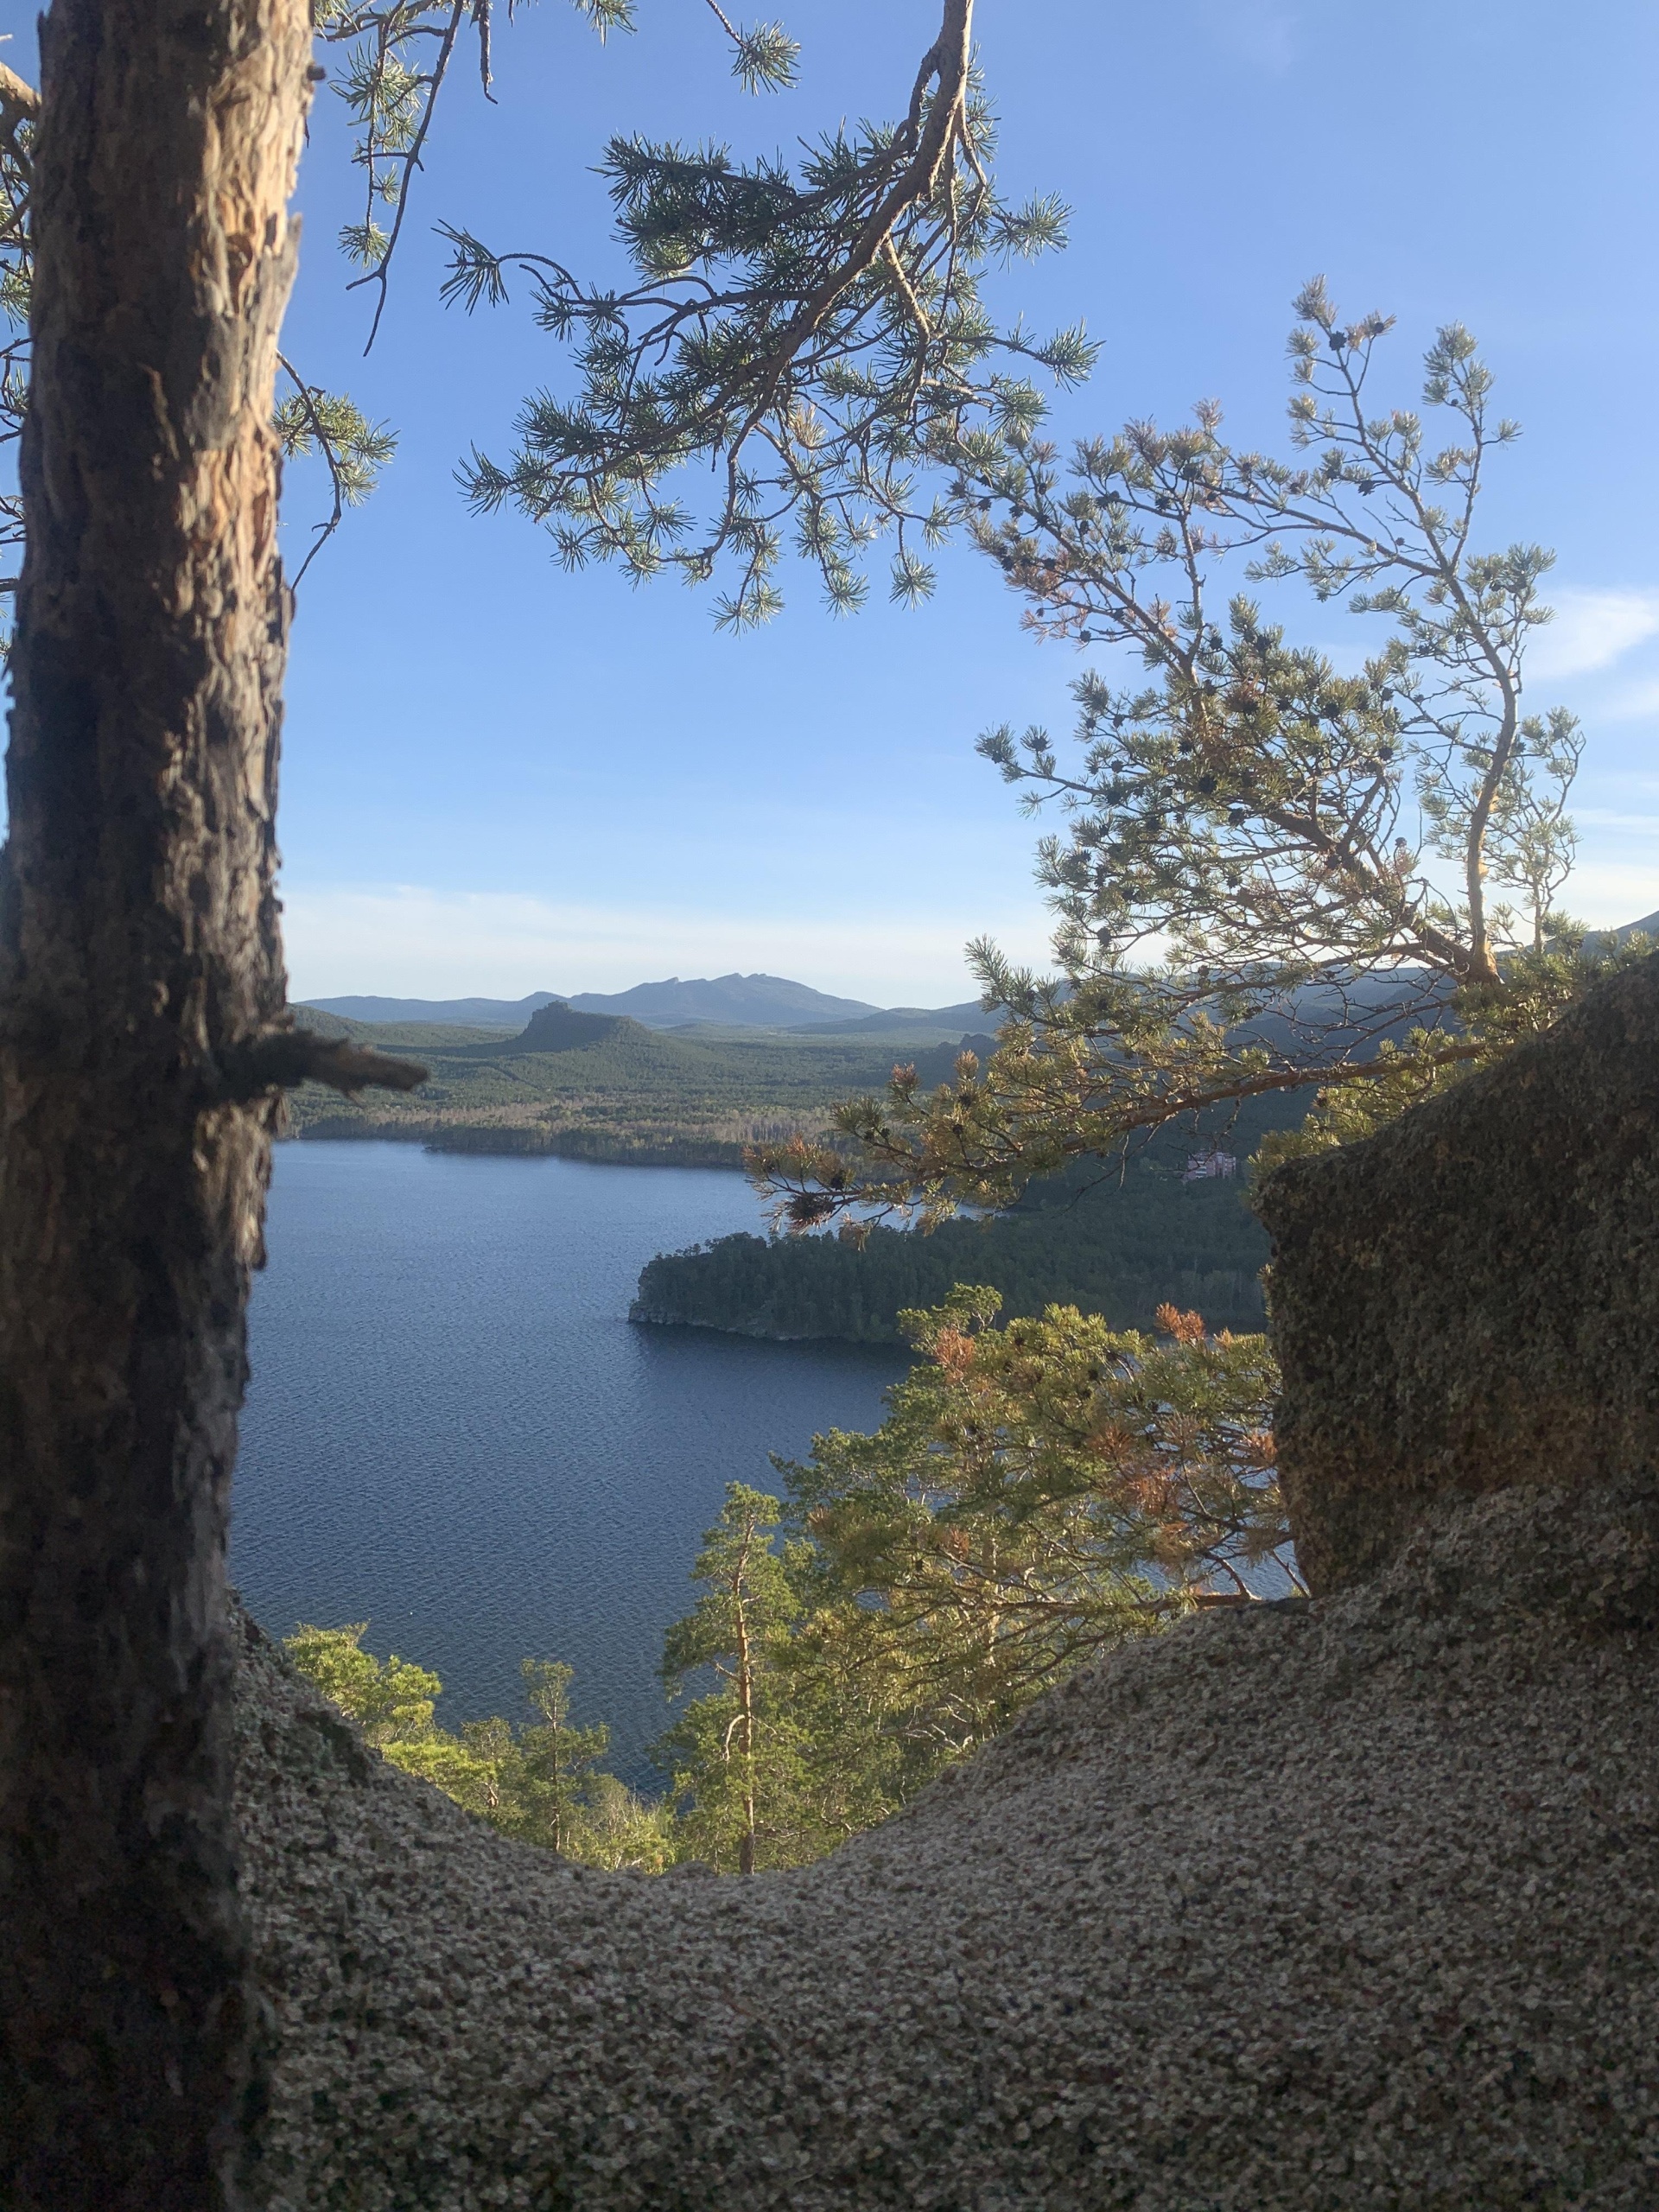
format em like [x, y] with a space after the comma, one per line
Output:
[1117, 1242]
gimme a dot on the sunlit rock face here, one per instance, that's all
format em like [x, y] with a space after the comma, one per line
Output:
[1327, 1907]
[1471, 1299]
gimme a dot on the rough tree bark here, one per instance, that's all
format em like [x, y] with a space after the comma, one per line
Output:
[141, 1036]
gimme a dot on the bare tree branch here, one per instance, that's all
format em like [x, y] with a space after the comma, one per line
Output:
[282, 1059]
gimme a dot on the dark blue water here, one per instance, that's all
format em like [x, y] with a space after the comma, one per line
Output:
[453, 1432]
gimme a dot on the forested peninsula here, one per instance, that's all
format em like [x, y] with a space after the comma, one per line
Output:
[1117, 1243]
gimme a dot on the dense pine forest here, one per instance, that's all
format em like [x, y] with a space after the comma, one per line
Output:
[1116, 1242]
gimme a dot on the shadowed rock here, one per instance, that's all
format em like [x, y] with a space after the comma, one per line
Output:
[1471, 1299]
[556, 1028]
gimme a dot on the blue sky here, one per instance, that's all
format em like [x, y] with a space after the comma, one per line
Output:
[497, 778]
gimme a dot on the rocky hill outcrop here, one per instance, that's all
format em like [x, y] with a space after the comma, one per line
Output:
[556, 1028]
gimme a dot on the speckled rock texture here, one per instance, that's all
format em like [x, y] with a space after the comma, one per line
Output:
[1348, 1905]
[1471, 1299]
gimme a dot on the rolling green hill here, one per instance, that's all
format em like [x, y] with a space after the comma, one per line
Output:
[601, 1087]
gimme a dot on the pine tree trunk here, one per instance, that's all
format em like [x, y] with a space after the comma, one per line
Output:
[140, 966]
[746, 1711]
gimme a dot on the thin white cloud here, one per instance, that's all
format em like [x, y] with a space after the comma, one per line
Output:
[1638, 704]
[1608, 817]
[411, 941]
[1606, 894]
[1592, 630]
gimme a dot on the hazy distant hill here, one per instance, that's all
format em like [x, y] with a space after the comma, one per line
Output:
[446, 1013]
[1598, 939]
[733, 1001]
[902, 1022]
[745, 1003]
[722, 1002]
[736, 1001]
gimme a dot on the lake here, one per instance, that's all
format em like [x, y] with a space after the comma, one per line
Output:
[454, 1431]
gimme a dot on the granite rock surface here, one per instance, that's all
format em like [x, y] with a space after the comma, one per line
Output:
[1469, 1298]
[1347, 1905]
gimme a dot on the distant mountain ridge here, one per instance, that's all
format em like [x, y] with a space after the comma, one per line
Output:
[732, 1001]
[1600, 940]
[951, 1017]
[738, 1001]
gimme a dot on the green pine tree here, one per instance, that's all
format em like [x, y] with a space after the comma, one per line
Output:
[736, 1754]
[557, 1759]
[1272, 877]
[391, 1700]
[542, 1784]
[1038, 1494]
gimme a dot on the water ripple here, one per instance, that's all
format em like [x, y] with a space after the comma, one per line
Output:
[453, 1432]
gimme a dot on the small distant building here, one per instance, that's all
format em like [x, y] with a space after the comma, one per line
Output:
[1210, 1165]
